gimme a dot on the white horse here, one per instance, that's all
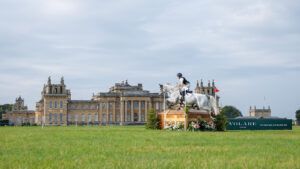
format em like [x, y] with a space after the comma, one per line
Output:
[202, 101]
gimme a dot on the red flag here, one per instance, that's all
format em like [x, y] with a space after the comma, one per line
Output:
[216, 90]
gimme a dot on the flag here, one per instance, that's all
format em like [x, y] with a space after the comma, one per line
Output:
[216, 90]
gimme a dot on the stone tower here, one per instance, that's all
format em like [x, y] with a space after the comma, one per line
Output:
[53, 105]
[19, 104]
[208, 90]
[264, 112]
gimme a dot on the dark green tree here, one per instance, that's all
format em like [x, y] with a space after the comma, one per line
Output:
[298, 116]
[152, 120]
[5, 108]
[220, 122]
[231, 112]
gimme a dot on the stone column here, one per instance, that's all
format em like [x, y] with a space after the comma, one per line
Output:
[146, 110]
[114, 111]
[140, 111]
[121, 111]
[132, 110]
[107, 112]
[100, 113]
[125, 110]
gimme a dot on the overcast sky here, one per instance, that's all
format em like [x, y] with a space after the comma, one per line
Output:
[250, 47]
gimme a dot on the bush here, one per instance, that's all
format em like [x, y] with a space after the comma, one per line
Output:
[4, 122]
[220, 122]
[298, 115]
[200, 125]
[152, 120]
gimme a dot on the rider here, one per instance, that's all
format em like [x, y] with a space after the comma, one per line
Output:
[184, 86]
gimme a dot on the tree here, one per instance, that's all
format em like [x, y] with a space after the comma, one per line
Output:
[298, 116]
[152, 120]
[220, 122]
[5, 108]
[231, 112]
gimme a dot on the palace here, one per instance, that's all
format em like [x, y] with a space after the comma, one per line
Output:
[254, 112]
[123, 104]
[20, 114]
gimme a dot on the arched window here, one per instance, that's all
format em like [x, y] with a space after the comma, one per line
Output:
[55, 104]
[61, 104]
[50, 104]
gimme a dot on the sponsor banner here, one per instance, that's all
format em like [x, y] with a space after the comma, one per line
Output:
[259, 124]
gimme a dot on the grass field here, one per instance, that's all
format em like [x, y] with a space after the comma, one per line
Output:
[136, 147]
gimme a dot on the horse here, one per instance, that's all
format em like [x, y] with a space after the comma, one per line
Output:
[201, 101]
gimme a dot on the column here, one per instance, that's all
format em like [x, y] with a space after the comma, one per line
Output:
[100, 113]
[114, 111]
[146, 110]
[132, 110]
[125, 110]
[107, 112]
[121, 111]
[140, 111]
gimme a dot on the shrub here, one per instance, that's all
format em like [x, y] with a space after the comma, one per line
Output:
[200, 125]
[220, 122]
[152, 120]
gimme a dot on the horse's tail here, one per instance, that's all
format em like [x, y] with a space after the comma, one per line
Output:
[213, 103]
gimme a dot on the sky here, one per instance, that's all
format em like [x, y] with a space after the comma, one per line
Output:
[251, 48]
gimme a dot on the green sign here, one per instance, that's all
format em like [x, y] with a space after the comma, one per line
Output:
[259, 124]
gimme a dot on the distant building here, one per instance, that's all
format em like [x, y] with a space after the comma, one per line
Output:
[20, 115]
[122, 104]
[208, 90]
[254, 112]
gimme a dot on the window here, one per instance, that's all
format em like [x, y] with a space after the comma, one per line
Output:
[90, 118]
[69, 117]
[135, 104]
[61, 104]
[142, 105]
[117, 117]
[110, 117]
[82, 117]
[55, 104]
[157, 106]
[96, 117]
[110, 104]
[61, 118]
[143, 116]
[128, 116]
[135, 117]
[103, 117]
[103, 106]
[128, 113]
[50, 118]
[76, 117]
[55, 118]
[50, 104]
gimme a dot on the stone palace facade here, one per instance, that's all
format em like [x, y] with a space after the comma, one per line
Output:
[123, 104]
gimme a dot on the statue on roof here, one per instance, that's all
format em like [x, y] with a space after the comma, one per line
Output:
[49, 80]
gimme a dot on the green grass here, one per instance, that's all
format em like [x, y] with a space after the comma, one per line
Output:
[136, 147]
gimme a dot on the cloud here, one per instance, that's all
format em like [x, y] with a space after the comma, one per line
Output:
[97, 43]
